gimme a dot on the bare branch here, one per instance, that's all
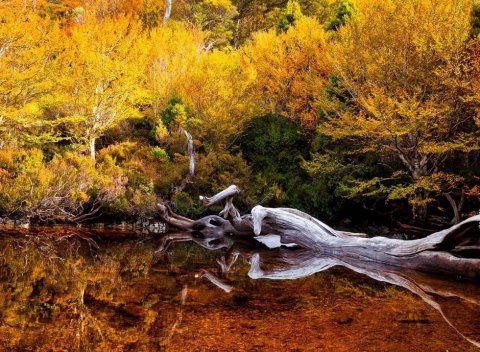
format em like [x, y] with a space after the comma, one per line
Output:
[226, 193]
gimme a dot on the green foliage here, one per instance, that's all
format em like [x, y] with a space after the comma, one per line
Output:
[61, 188]
[275, 150]
[182, 202]
[174, 111]
[146, 170]
[215, 17]
[274, 147]
[289, 15]
[344, 9]
[476, 18]
[159, 153]
[355, 115]
[348, 178]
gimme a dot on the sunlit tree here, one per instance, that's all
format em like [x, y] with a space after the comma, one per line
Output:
[401, 65]
[291, 70]
[212, 85]
[29, 46]
[103, 64]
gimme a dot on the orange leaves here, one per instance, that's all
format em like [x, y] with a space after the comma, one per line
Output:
[216, 94]
[213, 85]
[291, 70]
[474, 61]
[401, 71]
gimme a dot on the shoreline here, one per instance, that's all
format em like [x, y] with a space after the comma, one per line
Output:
[155, 226]
[143, 226]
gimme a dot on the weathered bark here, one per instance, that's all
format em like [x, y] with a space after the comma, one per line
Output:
[229, 211]
[173, 219]
[455, 251]
[91, 146]
[191, 163]
[456, 208]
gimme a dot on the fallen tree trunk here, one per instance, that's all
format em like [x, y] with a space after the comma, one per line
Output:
[455, 251]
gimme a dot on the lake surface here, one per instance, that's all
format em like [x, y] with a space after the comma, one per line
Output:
[68, 289]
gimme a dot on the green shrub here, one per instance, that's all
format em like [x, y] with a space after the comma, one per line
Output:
[159, 153]
[183, 203]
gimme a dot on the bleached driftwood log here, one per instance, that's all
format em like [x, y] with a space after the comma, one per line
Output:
[454, 251]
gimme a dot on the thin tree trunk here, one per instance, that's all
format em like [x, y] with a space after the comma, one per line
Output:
[168, 11]
[455, 208]
[91, 146]
[417, 166]
[420, 209]
[191, 163]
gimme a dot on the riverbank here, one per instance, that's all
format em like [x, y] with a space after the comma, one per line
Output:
[153, 225]
[145, 225]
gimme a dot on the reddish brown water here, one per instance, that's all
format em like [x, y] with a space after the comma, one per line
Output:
[62, 292]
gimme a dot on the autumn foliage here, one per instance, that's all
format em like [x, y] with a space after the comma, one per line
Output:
[381, 98]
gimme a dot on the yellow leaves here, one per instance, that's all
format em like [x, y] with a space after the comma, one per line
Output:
[56, 189]
[28, 47]
[463, 143]
[351, 125]
[290, 69]
[398, 62]
[103, 65]
[219, 3]
[322, 164]
[214, 88]
[79, 195]
[37, 273]
[399, 68]
[399, 114]
[31, 109]
[370, 47]
[161, 133]
[212, 84]
[174, 50]
[434, 184]
[474, 61]
[352, 188]
[180, 114]
[215, 18]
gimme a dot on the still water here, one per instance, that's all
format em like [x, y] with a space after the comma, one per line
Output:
[76, 290]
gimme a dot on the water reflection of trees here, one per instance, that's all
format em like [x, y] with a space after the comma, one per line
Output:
[67, 290]
[64, 290]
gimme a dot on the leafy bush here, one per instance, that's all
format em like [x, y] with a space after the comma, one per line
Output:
[183, 203]
[159, 153]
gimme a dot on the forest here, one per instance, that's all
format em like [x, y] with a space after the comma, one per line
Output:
[345, 109]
